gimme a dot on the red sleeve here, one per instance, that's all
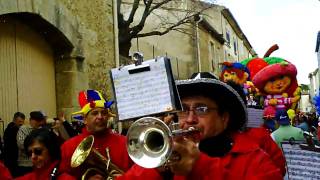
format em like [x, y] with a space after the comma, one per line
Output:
[137, 172]
[207, 168]
[262, 137]
[275, 153]
[67, 150]
[253, 166]
[262, 168]
[119, 153]
[65, 159]
[4, 173]
[65, 176]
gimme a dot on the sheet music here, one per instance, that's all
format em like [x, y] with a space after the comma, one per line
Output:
[255, 117]
[301, 164]
[142, 93]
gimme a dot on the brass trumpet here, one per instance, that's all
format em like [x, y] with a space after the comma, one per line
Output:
[149, 141]
[91, 161]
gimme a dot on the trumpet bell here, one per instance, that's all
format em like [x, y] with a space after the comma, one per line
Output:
[82, 152]
[149, 142]
[88, 160]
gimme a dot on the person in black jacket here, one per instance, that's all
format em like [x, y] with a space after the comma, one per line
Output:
[10, 149]
[62, 128]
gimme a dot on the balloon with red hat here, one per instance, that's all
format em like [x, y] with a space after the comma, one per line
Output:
[276, 80]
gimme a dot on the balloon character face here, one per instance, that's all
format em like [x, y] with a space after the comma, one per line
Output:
[227, 76]
[277, 85]
[235, 76]
[235, 72]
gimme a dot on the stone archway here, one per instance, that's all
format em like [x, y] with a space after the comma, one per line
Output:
[60, 29]
[50, 13]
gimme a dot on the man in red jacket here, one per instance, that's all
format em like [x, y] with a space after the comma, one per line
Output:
[96, 113]
[224, 151]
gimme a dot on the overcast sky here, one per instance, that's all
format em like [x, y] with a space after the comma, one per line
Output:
[292, 24]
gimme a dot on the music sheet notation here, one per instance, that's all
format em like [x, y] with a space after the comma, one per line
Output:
[301, 164]
[142, 93]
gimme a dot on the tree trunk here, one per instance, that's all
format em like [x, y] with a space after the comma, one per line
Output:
[124, 48]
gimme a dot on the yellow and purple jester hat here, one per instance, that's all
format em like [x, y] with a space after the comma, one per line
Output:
[90, 99]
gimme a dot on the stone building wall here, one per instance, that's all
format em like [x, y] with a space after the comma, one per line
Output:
[95, 19]
[82, 39]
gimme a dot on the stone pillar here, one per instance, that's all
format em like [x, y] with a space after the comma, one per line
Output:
[70, 80]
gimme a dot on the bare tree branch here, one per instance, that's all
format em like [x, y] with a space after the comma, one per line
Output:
[136, 29]
[130, 28]
[148, 9]
[160, 33]
[156, 6]
[172, 26]
[119, 2]
[183, 31]
[133, 11]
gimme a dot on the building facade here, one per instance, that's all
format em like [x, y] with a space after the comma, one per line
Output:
[314, 76]
[51, 50]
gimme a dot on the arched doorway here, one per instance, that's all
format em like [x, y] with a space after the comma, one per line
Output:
[27, 70]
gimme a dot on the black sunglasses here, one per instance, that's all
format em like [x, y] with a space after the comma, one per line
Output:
[36, 151]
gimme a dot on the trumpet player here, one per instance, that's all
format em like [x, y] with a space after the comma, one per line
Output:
[223, 152]
[95, 111]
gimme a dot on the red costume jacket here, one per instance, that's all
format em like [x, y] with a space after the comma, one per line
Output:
[262, 137]
[44, 173]
[4, 173]
[118, 153]
[245, 161]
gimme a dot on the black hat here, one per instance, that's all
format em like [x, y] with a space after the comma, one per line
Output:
[282, 117]
[37, 115]
[217, 91]
[203, 75]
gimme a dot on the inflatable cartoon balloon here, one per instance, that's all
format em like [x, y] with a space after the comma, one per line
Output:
[279, 85]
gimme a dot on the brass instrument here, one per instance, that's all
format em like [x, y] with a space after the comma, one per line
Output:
[149, 142]
[89, 159]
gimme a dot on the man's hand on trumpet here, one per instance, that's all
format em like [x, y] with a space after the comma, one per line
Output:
[188, 152]
[185, 148]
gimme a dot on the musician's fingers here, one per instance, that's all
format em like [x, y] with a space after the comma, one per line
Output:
[178, 138]
[188, 154]
[168, 118]
[182, 144]
[195, 136]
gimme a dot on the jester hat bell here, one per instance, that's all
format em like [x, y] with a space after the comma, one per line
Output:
[90, 99]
